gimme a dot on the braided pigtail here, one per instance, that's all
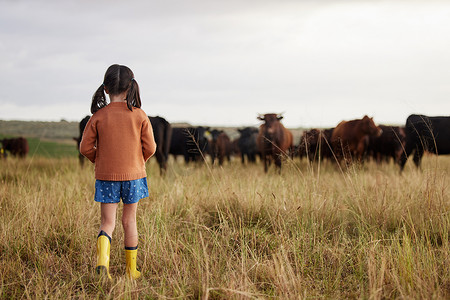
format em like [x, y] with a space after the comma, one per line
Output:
[99, 99]
[133, 96]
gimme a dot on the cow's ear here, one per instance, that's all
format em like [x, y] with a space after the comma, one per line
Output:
[279, 117]
[260, 117]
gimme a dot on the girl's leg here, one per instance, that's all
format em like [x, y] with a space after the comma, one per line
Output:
[108, 220]
[131, 239]
[108, 217]
[129, 224]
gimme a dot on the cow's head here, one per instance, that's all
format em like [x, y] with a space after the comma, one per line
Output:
[6, 143]
[271, 123]
[370, 128]
[202, 140]
[268, 118]
[248, 131]
[215, 133]
[2, 150]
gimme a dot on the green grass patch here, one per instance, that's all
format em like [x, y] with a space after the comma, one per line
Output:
[51, 149]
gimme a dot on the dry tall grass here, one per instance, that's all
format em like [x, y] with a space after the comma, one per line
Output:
[233, 232]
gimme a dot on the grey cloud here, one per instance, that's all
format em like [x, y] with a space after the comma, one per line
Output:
[318, 61]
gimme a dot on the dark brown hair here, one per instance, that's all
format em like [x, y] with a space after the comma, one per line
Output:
[118, 79]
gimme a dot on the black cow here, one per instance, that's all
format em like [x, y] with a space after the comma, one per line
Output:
[425, 133]
[327, 151]
[389, 144]
[81, 126]
[315, 144]
[16, 146]
[247, 144]
[162, 131]
[189, 142]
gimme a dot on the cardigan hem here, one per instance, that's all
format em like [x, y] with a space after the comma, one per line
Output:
[120, 177]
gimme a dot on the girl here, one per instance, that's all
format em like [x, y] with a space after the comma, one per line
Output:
[118, 139]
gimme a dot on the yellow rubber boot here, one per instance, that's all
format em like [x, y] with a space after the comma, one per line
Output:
[130, 256]
[103, 248]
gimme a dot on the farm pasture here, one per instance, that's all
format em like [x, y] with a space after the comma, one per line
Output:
[232, 232]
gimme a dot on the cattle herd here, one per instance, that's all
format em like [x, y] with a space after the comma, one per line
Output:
[350, 141]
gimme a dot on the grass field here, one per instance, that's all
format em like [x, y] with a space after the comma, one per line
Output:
[232, 232]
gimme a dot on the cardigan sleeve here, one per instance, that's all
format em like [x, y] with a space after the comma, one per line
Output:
[147, 139]
[89, 141]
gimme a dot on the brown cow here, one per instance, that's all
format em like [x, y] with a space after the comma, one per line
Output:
[16, 146]
[350, 138]
[220, 146]
[274, 140]
[235, 150]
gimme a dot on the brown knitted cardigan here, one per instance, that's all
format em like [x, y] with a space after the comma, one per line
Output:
[119, 142]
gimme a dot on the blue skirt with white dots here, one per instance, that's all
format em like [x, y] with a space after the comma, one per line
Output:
[130, 191]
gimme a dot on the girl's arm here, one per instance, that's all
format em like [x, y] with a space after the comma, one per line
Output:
[88, 141]
[147, 139]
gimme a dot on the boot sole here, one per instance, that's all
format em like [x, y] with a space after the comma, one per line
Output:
[101, 270]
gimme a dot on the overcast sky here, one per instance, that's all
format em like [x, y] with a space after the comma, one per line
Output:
[221, 62]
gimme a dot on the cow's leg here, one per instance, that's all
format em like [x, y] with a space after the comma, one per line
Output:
[339, 151]
[418, 157]
[163, 168]
[347, 155]
[278, 162]
[291, 152]
[360, 149]
[186, 157]
[402, 160]
[165, 162]
[348, 158]
[409, 148]
[162, 165]
[81, 159]
[309, 154]
[160, 159]
[269, 160]
[378, 158]
[266, 161]
[398, 156]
